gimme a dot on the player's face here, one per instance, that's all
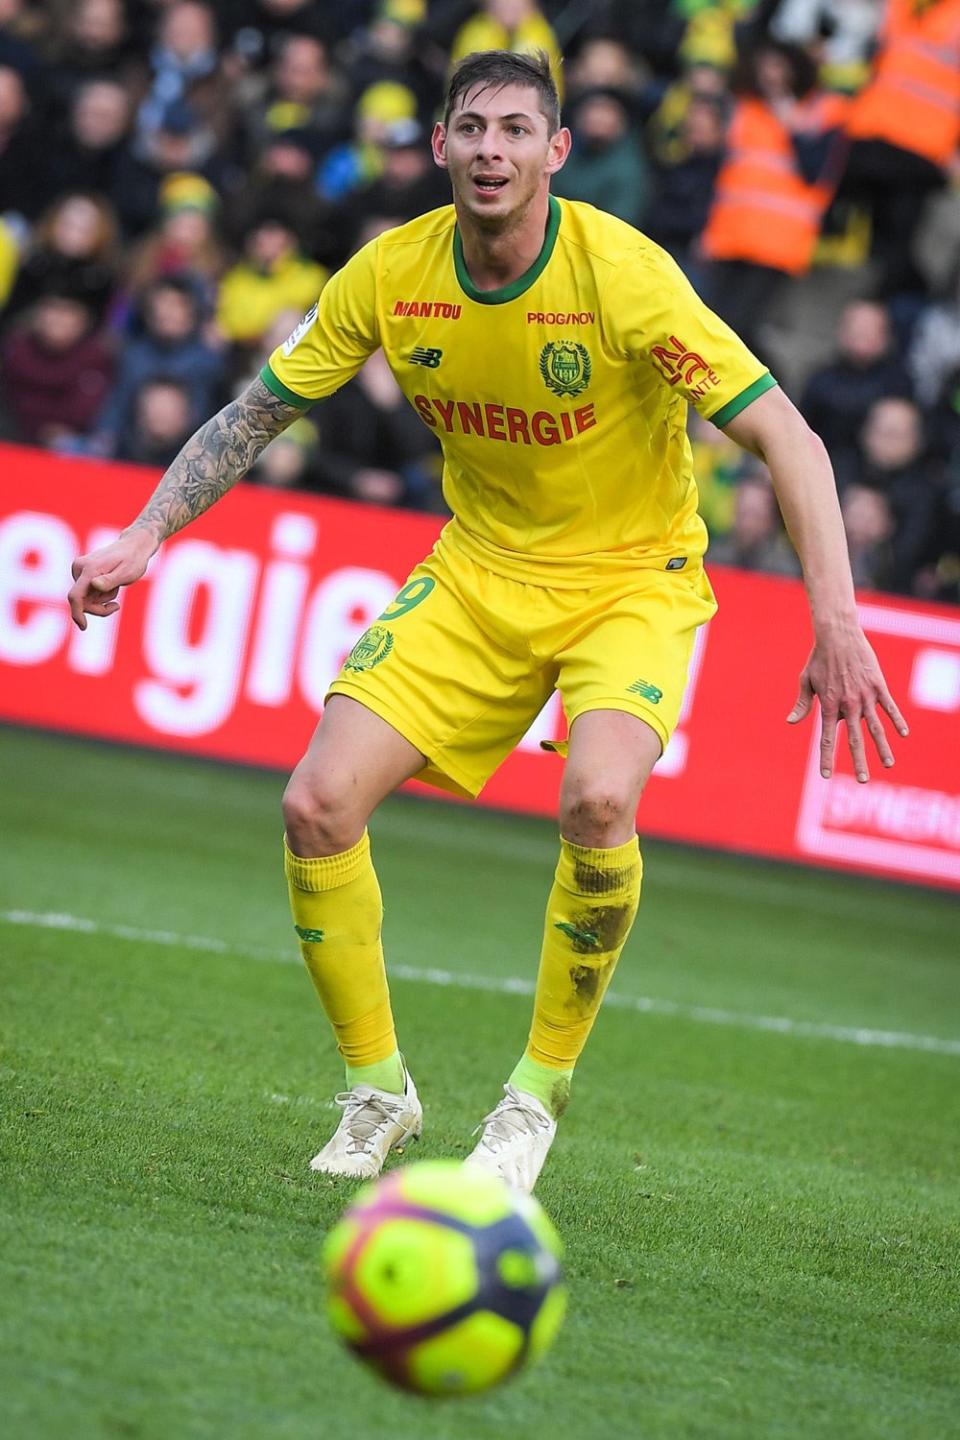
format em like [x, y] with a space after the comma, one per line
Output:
[498, 152]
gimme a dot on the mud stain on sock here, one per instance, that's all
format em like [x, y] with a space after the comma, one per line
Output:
[591, 880]
[588, 982]
[559, 1097]
[599, 928]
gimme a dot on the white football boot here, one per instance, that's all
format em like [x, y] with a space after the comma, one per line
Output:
[373, 1123]
[516, 1138]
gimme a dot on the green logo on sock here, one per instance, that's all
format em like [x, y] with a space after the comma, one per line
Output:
[312, 937]
[585, 937]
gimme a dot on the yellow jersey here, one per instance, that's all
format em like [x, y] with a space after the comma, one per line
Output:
[560, 400]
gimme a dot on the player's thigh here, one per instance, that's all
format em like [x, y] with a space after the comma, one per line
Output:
[609, 759]
[437, 668]
[632, 654]
[354, 760]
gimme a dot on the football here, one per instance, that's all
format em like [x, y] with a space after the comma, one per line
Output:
[443, 1279]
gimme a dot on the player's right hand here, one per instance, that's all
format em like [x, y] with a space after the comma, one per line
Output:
[97, 577]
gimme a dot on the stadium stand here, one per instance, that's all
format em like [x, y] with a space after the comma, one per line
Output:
[179, 177]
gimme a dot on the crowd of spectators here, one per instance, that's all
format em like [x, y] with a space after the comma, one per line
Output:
[178, 178]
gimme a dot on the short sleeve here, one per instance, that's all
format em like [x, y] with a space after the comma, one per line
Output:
[333, 339]
[656, 318]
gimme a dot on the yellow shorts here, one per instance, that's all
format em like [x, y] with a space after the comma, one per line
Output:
[463, 660]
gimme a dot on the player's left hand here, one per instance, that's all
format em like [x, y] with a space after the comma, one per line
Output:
[845, 675]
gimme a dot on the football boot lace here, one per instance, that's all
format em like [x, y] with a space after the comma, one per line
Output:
[512, 1117]
[364, 1116]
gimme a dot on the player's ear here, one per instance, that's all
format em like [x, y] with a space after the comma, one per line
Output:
[558, 150]
[438, 144]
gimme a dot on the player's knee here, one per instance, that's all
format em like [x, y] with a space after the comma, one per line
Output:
[590, 813]
[318, 817]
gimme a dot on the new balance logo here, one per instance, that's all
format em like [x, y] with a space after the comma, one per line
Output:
[646, 690]
[428, 358]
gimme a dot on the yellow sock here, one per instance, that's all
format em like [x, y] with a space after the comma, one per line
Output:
[589, 914]
[337, 913]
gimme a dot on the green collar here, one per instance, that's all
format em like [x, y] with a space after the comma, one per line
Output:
[516, 287]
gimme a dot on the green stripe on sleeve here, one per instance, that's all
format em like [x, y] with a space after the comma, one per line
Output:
[727, 412]
[281, 391]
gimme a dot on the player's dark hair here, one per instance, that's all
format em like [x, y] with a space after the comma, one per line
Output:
[492, 69]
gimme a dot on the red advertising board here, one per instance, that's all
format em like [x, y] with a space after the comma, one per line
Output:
[227, 645]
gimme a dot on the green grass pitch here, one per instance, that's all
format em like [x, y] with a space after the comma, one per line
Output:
[762, 1215]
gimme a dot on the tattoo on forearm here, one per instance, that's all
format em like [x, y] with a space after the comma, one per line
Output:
[213, 459]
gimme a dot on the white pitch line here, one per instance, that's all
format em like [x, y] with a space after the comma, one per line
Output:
[505, 985]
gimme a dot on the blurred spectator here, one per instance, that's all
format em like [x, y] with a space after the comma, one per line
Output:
[305, 93]
[387, 49]
[709, 32]
[289, 461]
[258, 28]
[88, 155]
[359, 161]
[375, 447]
[181, 142]
[56, 369]
[869, 525]
[940, 580]
[718, 463]
[905, 129]
[867, 367]
[892, 460]
[840, 33]
[684, 185]
[518, 25]
[605, 63]
[18, 27]
[92, 42]
[755, 540]
[185, 71]
[272, 275]
[9, 259]
[170, 347]
[409, 184]
[162, 423]
[934, 355]
[184, 243]
[282, 183]
[665, 127]
[19, 143]
[74, 251]
[607, 166]
[774, 186]
[942, 423]
[250, 361]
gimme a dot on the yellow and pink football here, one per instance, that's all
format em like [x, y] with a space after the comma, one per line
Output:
[443, 1279]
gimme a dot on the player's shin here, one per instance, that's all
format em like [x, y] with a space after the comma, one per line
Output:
[591, 908]
[337, 913]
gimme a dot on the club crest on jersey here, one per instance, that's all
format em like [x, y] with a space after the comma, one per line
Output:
[300, 331]
[373, 646]
[565, 367]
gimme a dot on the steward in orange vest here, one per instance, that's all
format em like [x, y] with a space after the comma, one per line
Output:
[904, 131]
[913, 99]
[781, 168]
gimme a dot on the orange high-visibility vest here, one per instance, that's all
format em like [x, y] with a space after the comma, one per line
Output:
[913, 99]
[764, 211]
